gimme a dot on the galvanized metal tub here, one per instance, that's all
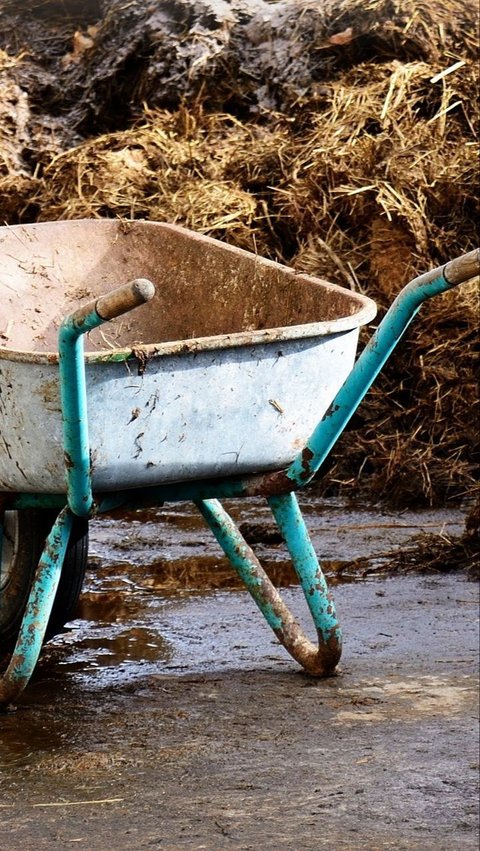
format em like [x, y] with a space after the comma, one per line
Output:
[225, 372]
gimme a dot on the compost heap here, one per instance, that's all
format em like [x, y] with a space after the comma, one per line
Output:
[339, 137]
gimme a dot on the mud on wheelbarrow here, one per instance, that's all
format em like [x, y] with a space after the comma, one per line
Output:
[219, 374]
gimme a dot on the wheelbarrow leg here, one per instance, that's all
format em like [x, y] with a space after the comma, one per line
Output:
[37, 612]
[318, 660]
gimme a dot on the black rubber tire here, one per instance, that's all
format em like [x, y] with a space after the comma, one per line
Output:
[29, 530]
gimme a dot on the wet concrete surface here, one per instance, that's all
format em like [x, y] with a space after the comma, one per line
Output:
[170, 718]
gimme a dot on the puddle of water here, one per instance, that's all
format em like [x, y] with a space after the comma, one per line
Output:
[177, 532]
[170, 549]
[22, 735]
[110, 646]
[145, 564]
[157, 589]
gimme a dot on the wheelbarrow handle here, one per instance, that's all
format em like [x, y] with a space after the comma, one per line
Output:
[369, 364]
[125, 298]
[113, 304]
[463, 268]
[73, 390]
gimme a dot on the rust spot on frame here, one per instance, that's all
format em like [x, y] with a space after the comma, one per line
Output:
[69, 463]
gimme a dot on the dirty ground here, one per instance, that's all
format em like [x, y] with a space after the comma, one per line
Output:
[170, 718]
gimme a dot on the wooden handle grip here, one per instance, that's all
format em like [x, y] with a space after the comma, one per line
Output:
[125, 298]
[463, 268]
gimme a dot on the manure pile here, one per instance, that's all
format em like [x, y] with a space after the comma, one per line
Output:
[337, 136]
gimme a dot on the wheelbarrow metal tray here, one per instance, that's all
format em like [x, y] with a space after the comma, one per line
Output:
[225, 372]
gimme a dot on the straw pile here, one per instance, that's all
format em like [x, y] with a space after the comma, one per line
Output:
[338, 137]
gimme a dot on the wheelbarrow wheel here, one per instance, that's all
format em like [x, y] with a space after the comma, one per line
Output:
[24, 534]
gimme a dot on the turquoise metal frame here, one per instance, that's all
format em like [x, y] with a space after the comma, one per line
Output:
[278, 487]
[38, 610]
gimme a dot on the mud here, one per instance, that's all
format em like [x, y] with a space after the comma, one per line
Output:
[170, 547]
[170, 718]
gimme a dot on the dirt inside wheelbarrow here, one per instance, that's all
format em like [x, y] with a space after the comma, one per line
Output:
[167, 716]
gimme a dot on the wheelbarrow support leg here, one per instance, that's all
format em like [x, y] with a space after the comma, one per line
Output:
[37, 612]
[318, 660]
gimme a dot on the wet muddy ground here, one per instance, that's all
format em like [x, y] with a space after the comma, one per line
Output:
[167, 716]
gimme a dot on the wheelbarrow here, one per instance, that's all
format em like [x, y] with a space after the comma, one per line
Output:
[211, 374]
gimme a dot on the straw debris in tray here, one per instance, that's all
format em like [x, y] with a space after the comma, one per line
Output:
[340, 137]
